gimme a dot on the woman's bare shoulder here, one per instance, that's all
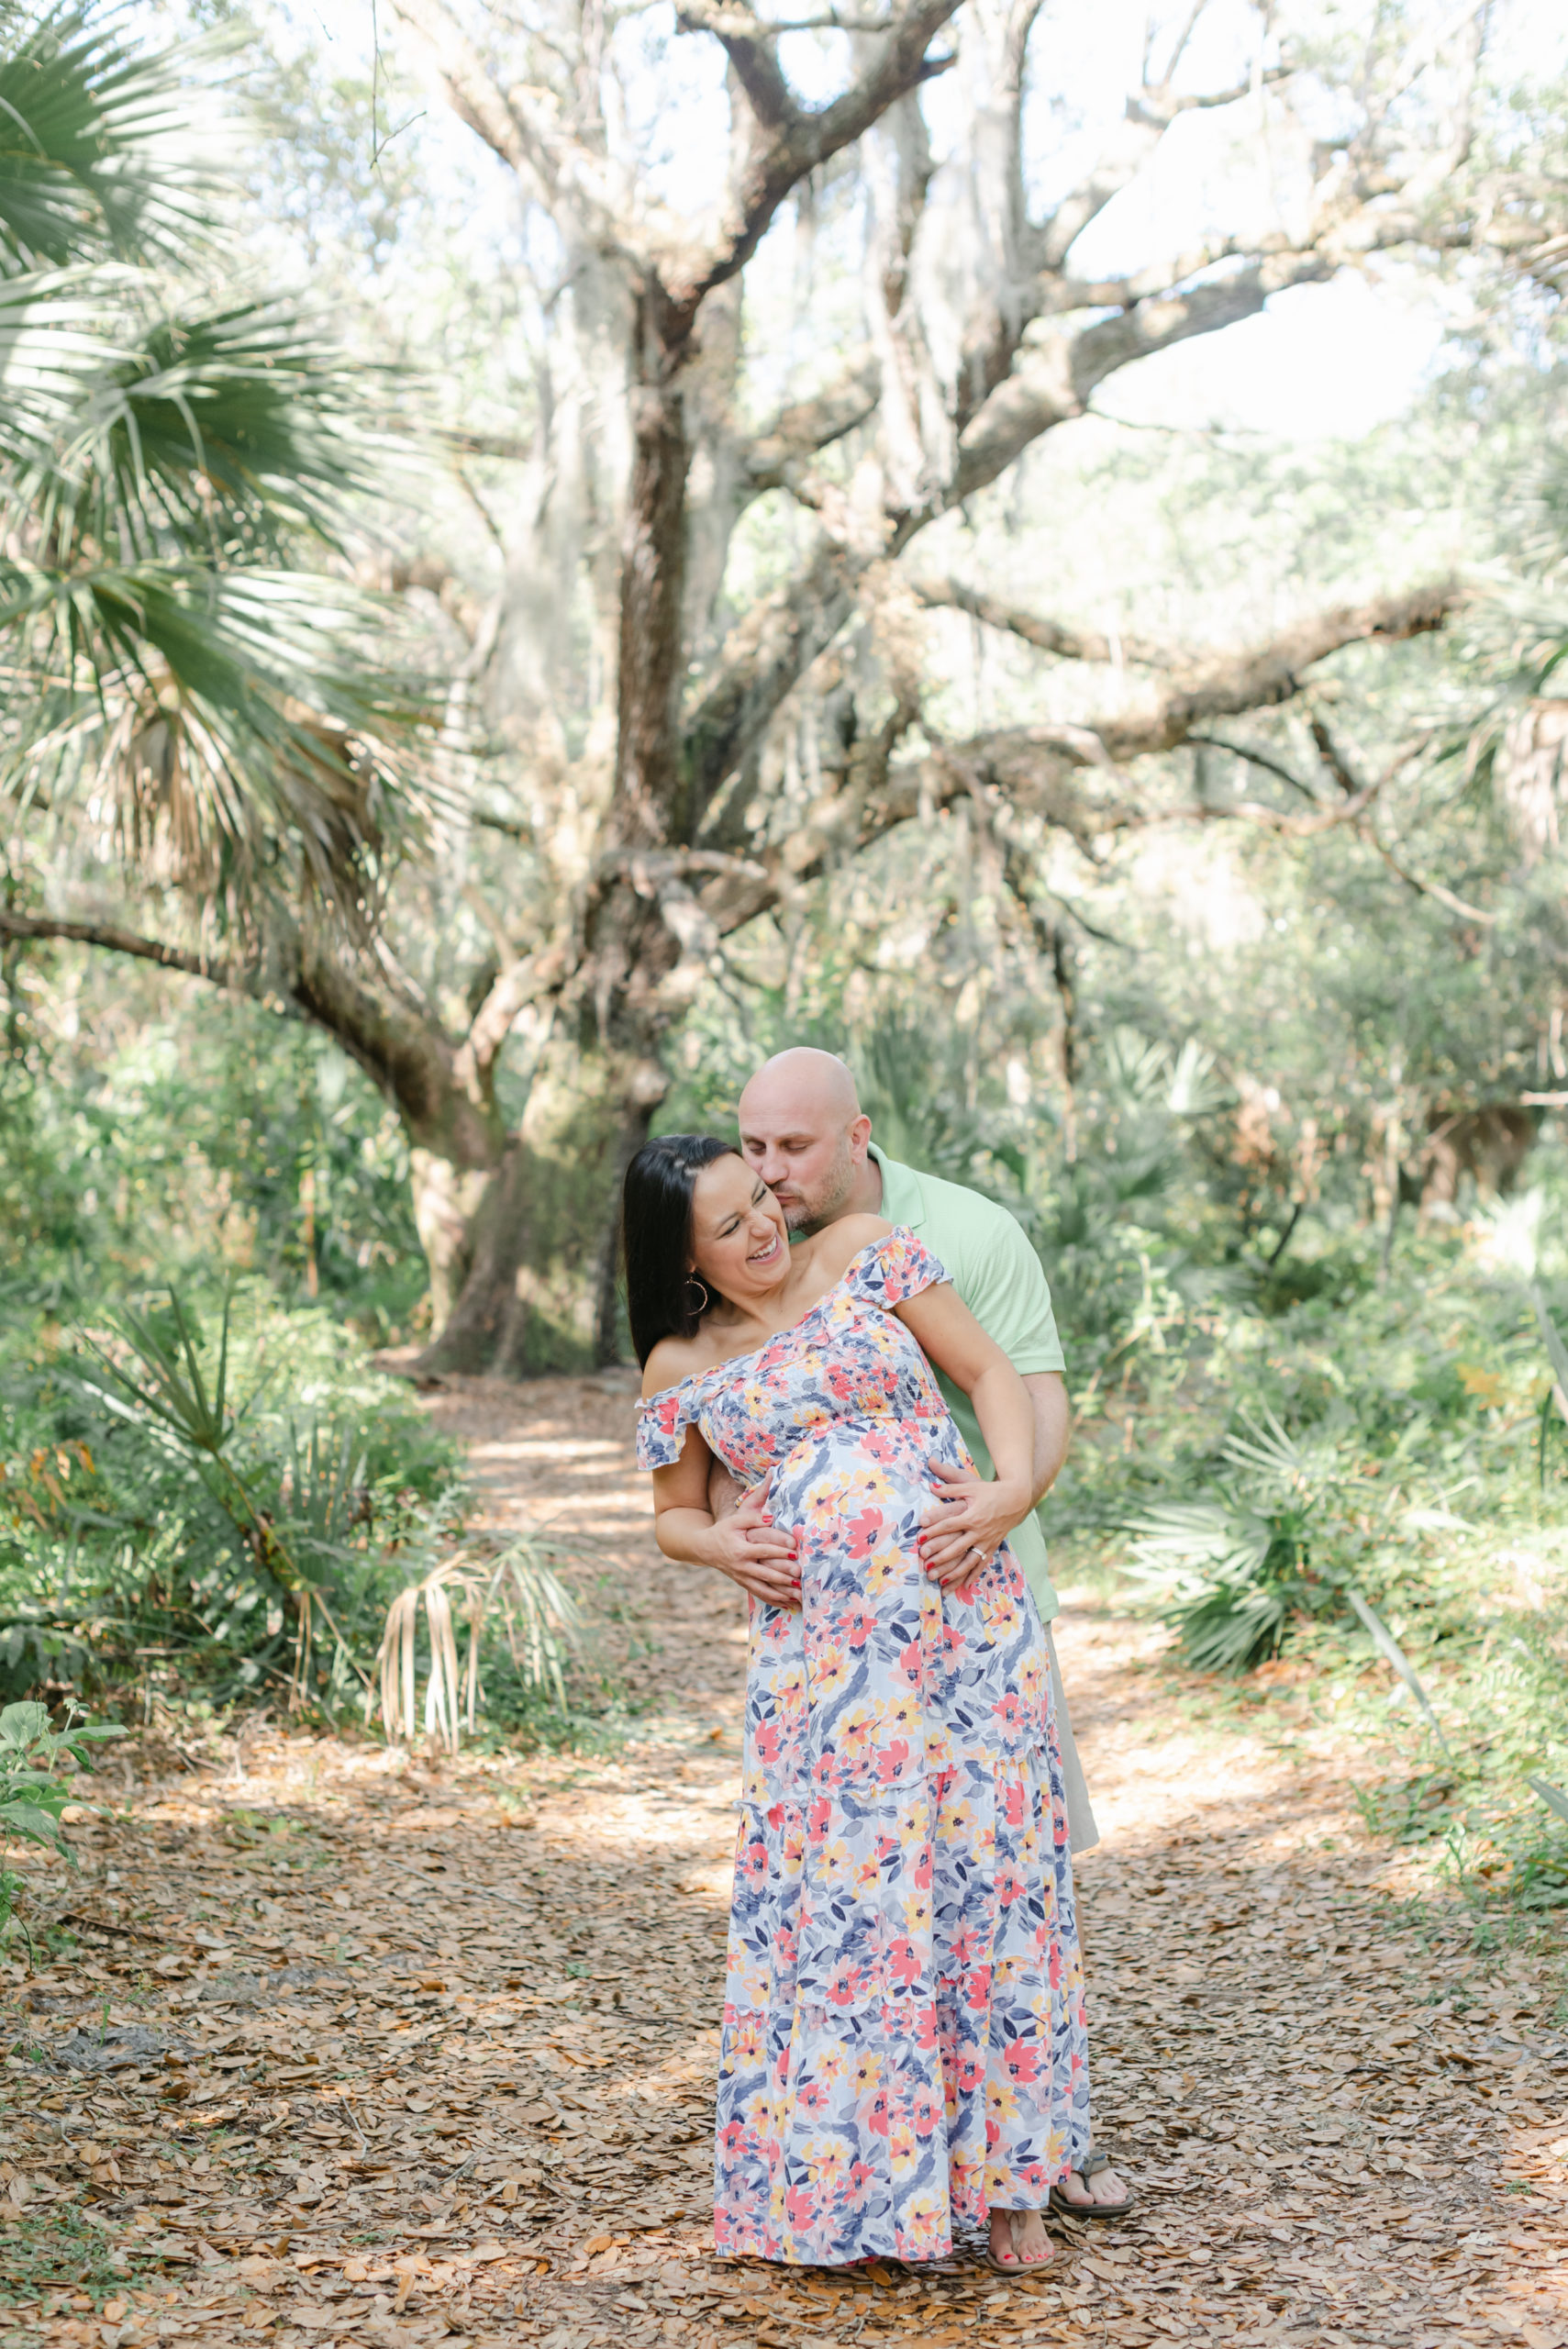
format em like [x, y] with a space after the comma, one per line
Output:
[672, 1359]
[838, 1244]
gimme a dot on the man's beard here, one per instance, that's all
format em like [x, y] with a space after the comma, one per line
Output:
[815, 1208]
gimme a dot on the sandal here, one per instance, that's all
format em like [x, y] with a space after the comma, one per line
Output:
[1091, 2166]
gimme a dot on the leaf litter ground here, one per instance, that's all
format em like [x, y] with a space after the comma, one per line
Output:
[359, 2048]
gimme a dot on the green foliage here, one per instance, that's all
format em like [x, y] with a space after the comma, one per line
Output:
[226, 1494]
[32, 1796]
[165, 454]
[135, 1137]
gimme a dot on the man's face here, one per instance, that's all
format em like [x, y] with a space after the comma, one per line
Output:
[807, 1157]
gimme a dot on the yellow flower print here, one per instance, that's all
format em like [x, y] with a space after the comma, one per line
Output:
[830, 1672]
[916, 1908]
[1001, 2100]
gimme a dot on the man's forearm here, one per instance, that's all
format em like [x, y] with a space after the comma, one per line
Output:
[1052, 1428]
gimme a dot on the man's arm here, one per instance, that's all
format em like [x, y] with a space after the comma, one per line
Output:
[1052, 1427]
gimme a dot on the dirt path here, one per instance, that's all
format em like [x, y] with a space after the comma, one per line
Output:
[357, 2048]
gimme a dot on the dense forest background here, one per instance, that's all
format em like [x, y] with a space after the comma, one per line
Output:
[550, 551]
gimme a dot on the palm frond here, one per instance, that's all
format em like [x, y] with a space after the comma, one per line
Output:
[1194, 1091]
[230, 430]
[1137, 1070]
[95, 141]
[1393, 1654]
[223, 714]
[543, 1626]
[58, 335]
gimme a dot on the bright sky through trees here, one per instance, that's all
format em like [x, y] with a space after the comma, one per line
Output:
[1322, 361]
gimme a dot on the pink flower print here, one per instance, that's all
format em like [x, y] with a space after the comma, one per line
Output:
[923, 1868]
[864, 1531]
[857, 1623]
[1011, 1885]
[889, 1850]
[923, 2027]
[858, 2185]
[845, 1983]
[1009, 1710]
[903, 1963]
[1013, 1804]
[892, 1761]
[878, 2119]
[1034, 2175]
[901, 2140]
[767, 1742]
[819, 1818]
[1021, 2063]
[811, 2097]
[754, 1865]
[912, 1664]
[977, 1990]
[800, 2207]
[732, 2139]
[965, 1947]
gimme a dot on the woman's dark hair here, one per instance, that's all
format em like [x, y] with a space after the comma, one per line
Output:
[656, 1233]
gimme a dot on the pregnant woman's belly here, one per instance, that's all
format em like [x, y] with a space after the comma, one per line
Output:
[880, 1679]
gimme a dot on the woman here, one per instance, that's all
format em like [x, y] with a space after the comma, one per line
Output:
[902, 2040]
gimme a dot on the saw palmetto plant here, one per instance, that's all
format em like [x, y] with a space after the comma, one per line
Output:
[177, 468]
[1229, 1571]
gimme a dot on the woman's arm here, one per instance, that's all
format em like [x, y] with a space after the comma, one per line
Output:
[976, 1520]
[743, 1544]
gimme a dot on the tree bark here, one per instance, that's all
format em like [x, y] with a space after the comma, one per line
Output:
[539, 1294]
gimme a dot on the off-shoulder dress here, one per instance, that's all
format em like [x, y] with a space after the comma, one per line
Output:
[904, 2044]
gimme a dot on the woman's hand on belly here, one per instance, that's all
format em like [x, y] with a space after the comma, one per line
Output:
[746, 1546]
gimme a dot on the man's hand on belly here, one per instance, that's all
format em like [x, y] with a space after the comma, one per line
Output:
[763, 1561]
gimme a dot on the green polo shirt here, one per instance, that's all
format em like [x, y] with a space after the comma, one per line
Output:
[1001, 1280]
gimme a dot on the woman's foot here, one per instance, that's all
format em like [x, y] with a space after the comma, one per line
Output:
[1081, 2193]
[1019, 2240]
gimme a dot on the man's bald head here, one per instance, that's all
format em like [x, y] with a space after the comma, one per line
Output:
[803, 1076]
[802, 1127]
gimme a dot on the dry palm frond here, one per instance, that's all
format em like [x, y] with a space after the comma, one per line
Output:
[542, 1620]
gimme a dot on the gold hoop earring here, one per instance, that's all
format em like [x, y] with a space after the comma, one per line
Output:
[692, 1281]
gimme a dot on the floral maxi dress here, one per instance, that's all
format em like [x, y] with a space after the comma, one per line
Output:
[904, 2044]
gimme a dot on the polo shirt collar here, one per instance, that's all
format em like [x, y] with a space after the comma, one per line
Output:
[903, 1198]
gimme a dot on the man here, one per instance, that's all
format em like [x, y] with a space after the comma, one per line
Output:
[802, 1129]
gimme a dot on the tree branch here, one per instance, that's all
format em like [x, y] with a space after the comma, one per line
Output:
[1456, 905]
[408, 1058]
[1046, 636]
[808, 426]
[45, 929]
[1226, 684]
[788, 141]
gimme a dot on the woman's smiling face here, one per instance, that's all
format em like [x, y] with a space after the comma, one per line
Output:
[739, 1241]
